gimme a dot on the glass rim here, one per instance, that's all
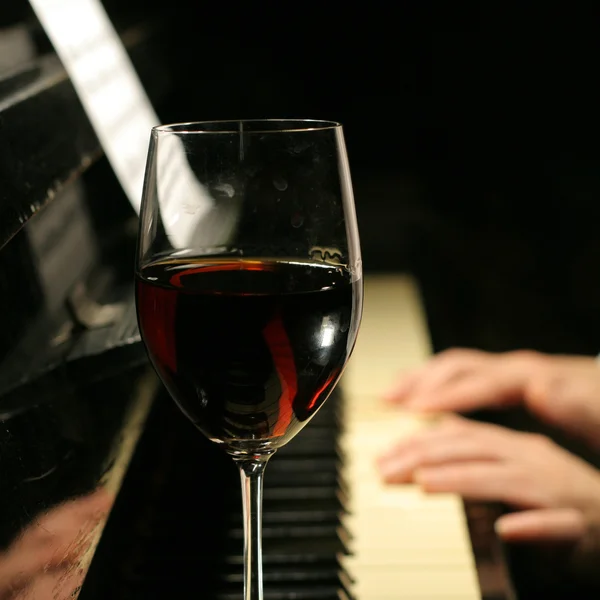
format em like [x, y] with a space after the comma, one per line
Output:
[224, 126]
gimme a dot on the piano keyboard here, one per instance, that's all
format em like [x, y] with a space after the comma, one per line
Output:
[176, 528]
[404, 543]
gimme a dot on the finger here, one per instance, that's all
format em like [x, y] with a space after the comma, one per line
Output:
[499, 384]
[497, 380]
[454, 429]
[447, 368]
[460, 396]
[448, 426]
[443, 367]
[400, 468]
[486, 439]
[63, 519]
[456, 441]
[560, 525]
[402, 388]
[483, 480]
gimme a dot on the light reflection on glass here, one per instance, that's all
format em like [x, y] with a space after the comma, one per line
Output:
[328, 331]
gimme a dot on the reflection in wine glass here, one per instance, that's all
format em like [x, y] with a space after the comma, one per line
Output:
[250, 308]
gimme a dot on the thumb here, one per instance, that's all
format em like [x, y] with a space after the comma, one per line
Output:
[557, 524]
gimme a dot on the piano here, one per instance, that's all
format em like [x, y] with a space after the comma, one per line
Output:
[99, 473]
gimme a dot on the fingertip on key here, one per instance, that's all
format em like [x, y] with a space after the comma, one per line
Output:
[393, 470]
[421, 404]
[392, 396]
[399, 391]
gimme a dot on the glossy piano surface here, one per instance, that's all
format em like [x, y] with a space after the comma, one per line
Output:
[75, 388]
[61, 465]
[74, 393]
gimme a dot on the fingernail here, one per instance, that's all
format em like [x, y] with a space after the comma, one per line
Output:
[499, 528]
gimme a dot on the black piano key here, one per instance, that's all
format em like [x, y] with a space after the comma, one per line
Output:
[301, 500]
[159, 535]
[303, 516]
[284, 502]
[291, 532]
[305, 493]
[301, 480]
[281, 472]
[234, 519]
[277, 567]
[311, 442]
[330, 542]
[282, 465]
[187, 526]
[293, 593]
[314, 557]
[289, 576]
[285, 576]
[175, 587]
[336, 543]
[279, 593]
[152, 562]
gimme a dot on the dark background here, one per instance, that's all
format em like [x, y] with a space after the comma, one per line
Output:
[472, 130]
[473, 135]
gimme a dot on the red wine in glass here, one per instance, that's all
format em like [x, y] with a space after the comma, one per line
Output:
[249, 349]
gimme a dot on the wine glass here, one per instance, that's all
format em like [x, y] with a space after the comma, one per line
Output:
[249, 284]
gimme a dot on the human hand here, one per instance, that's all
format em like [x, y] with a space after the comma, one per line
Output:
[44, 561]
[563, 391]
[558, 494]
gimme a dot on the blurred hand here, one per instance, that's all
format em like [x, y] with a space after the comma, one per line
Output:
[558, 493]
[560, 390]
[43, 563]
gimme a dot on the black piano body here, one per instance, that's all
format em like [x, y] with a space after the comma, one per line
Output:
[74, 378]
[76, 396]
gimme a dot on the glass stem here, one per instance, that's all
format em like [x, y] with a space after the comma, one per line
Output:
[251, 473]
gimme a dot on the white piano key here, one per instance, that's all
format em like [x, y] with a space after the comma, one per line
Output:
[405, 543]
[430, 583]
[416, 557]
